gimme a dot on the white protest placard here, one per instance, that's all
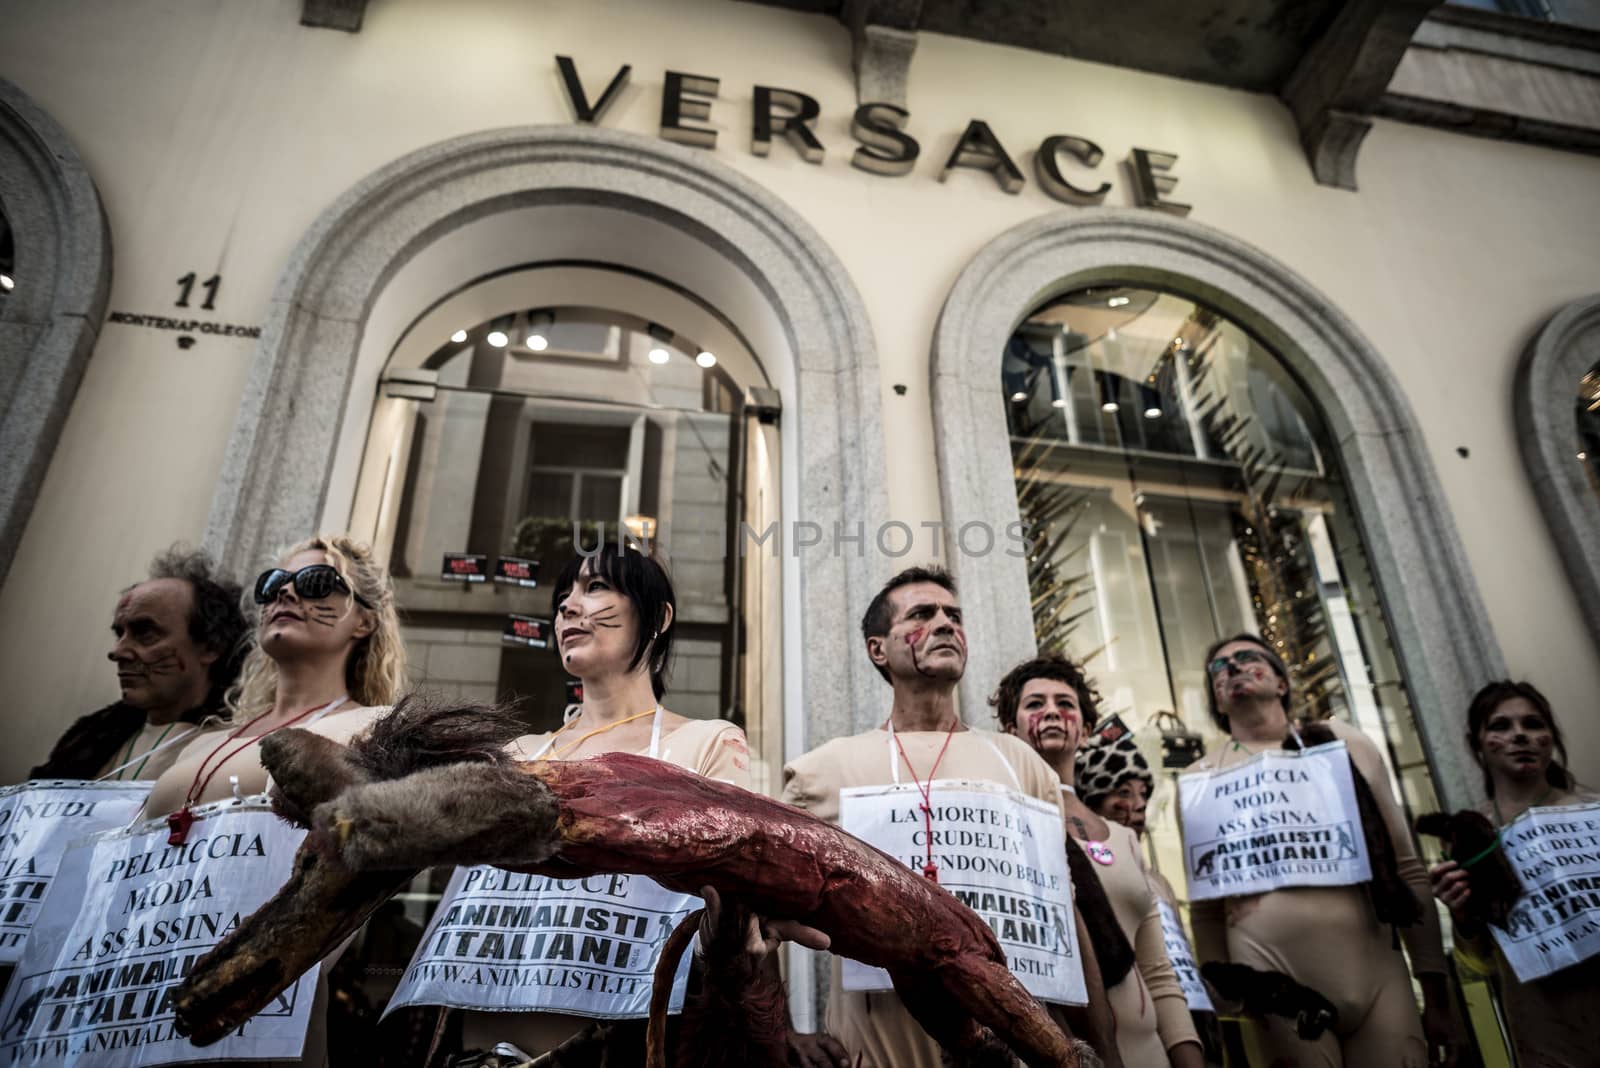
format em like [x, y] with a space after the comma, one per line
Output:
[1278, 819]
[1556, 922]
[1182, 958]
[510, 942]
[126, 919]
[1002, 854]
[37, 821]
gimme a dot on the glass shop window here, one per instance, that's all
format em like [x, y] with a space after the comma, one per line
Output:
[1588, 419]
[1183, 488]
[8, 276]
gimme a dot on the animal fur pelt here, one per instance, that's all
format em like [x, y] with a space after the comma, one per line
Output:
[1111, 946]
[613, 813]
[1392, 898]
[1260, 993]
[1472, 842]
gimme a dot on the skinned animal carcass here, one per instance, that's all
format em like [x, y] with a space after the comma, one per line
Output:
[432, 786]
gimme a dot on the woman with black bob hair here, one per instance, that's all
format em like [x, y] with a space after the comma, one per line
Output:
[1514, 736]
[615, 619]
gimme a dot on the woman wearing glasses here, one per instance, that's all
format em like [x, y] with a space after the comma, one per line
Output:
[328, 658]
[1515, 738]
[1327, 938]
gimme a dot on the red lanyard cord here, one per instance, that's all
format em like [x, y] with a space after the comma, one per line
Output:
[930, 870]
[180, 821]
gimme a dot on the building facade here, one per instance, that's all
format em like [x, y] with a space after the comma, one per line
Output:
[804, 301]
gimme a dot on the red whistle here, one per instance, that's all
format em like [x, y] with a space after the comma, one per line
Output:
[179, 823]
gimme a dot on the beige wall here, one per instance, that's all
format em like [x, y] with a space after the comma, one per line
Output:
[218, 131]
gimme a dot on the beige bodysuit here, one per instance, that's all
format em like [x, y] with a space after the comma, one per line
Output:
[1550, 1019]
[1329, 939]
[711, 747]
[1151, 1012]
[876, 1027]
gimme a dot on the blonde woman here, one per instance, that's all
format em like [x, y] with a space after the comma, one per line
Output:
[328, 658]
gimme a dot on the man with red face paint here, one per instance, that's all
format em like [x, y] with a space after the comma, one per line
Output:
[178, 641]
[914, 637]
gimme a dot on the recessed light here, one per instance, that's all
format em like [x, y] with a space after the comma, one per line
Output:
[1018, 397]
[538, 342]
[1116, 302]
[498, 339]
[1109, 406]
[6, 283]
[459, 336]
[705, 359]
[1152, 413]
[659, 355]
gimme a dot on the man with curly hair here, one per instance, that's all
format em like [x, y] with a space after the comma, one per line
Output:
[178, 641]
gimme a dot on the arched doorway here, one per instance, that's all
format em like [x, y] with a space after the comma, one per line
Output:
[1436, 620]
[55, 278]
[471, 207]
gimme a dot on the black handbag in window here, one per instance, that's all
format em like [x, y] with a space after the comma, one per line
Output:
[1180, 746]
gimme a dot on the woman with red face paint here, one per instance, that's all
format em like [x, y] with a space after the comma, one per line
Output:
[1326, 937]
[1514, 736]
[1048, 703]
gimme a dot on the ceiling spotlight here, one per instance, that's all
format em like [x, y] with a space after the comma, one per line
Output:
[1018, 397]
[1150, 401]
[1583, 456]
[1059, 402]
[1152, 412]
[6, 283]
[659, 355]
[538, 342]
[1116, 302]
[705, 359]
[498, 338]
[459, 336]
[1108, 394]
[540, 320]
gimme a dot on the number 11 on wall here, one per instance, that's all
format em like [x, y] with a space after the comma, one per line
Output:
[210, 285]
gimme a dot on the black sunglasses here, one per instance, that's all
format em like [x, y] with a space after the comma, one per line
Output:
[311, 583]
[1239, 659]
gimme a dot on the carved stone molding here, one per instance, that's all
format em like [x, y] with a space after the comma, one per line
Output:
[333, 14]
[50, 321]
[1440, 628]
[1341, 78]
[280, 458]
[1546, 402]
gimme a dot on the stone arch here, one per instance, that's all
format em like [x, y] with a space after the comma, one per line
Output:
[50, 322]
[1547, 382]
[277, 468]
[1435, 615]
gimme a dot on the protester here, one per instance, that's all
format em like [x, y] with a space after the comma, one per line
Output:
[1048, 702]
[180, 639]
[1514, 736]
[1326, 937]
[914, 637]
[1115, 782]
[328, 659]
[614, 629]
